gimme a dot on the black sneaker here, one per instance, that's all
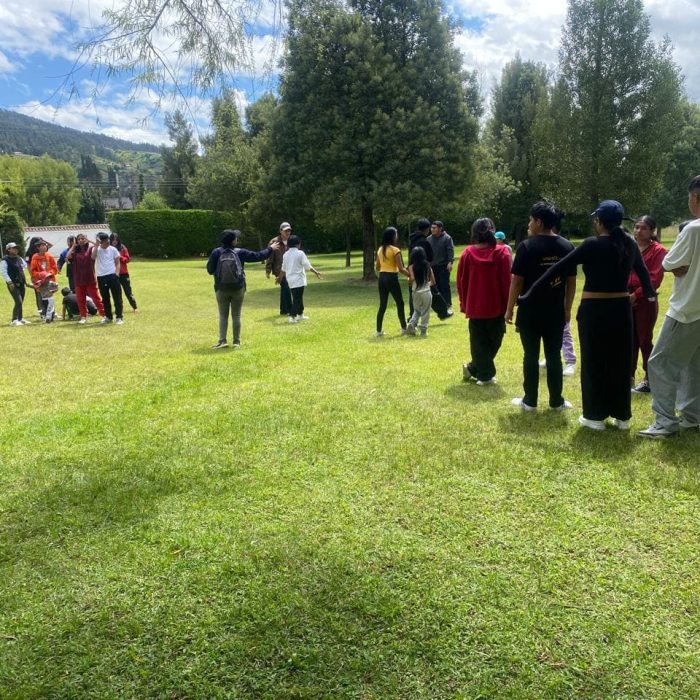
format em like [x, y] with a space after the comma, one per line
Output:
[642, 387]
[221, 344]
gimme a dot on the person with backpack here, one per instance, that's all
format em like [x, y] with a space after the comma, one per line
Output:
[226, 265]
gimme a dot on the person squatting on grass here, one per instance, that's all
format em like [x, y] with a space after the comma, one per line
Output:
[273, 265]
[80, 255]
[71, 307]
[388, 263]
[107, 270]
[645, 312]
[226, 264]
[674, 365]
[542, 319]
[294, 267]
[483, 280]
[12, 269]
[124, 279]
[43, 271]
[604, 316]
[421, 278]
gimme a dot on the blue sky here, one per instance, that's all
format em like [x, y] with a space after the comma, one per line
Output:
[37, 39]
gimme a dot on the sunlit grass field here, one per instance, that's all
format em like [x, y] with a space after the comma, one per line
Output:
[324, 514]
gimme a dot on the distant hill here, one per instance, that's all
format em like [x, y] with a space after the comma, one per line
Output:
[36, 137]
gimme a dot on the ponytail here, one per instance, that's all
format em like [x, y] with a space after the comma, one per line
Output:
[623, 244]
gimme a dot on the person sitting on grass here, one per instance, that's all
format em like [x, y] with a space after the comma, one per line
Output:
[70, 305]
[421, 278]
[226, 264]
[294, 267]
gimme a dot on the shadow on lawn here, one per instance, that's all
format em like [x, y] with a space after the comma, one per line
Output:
[471, 393]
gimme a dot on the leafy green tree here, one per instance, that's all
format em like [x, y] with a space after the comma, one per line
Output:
[179, 161]
[227, 172]
[611, 122]
[152, 201]
[88, 171]
[671, 204]
[511, 137]
[92, 208]
[11, 229]
[376, 111]
[43, 191]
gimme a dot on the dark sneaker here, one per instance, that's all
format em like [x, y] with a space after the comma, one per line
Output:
[642, 388]
[221, 344]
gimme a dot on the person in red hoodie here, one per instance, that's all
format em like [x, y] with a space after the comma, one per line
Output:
[483, 281]
[645, 312]
[80, 255]
[124, 259]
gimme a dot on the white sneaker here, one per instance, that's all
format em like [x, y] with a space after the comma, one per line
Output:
[656, 431]
[564, 407]
[466, 374]
[569, 370]
[302, 318]
[621, 424]
[379, 334]
[82, 321]
[24, 322]
[522, 405]
[292, 319]
[16, 322]
[592, 424]
[105, 320]
[486, 382]
[543, 363]
[120, 321]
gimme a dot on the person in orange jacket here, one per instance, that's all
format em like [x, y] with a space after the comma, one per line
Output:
[43, 271]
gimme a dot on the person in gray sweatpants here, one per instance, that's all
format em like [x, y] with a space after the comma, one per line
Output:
[674, 364]
[230, 298]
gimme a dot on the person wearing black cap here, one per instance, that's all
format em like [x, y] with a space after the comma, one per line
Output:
[226, 264]
[604, 316]
[12, 269]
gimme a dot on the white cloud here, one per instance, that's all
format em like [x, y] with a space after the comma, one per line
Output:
[5, 65]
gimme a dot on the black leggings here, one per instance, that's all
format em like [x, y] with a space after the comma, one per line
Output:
[125, 282]
[389, 284]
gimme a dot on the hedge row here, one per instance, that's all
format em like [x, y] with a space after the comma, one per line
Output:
[171, 233]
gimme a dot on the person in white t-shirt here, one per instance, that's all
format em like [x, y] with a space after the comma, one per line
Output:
[294, 267]
[674, 364]
[107, 266]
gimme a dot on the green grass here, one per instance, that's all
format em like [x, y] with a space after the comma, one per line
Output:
[323, 514]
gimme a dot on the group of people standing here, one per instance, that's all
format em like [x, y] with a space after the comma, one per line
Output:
[97, 271]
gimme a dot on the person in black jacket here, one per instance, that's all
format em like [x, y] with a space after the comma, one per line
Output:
[12, 270]
[229, 295]
[419, 239]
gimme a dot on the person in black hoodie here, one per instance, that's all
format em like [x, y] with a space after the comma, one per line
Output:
[419, 239]
[12, 270]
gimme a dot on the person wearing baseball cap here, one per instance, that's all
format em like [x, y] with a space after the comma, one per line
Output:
[605, 315]
[273, 266]
[13, 268]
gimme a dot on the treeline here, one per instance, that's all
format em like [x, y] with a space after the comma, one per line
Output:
[377, 121]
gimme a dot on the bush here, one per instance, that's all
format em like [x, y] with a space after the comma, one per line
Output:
[171, 233]
[11, 229]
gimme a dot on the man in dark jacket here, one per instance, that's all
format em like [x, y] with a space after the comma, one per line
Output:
[419, 238]
[443, 258]
[274, 266]
[230, 296]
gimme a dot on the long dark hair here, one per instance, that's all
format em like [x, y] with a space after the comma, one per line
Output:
[650, 221]
[483, 231]
[115, 241]
[419, 262]
[32, 248]
[388, 238]
[621, 241]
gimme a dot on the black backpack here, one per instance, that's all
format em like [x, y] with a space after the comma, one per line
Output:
[229, 271]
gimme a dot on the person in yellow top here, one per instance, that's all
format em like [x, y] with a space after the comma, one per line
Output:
[389, 264]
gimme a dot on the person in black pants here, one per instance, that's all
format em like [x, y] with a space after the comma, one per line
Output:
[107, 267]
[443, 258]
[604, 316]
[13, 269]
[542, 320]
[419, 239]
[388, 264]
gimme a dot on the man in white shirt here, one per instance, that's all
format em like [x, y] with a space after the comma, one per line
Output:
[107, 264]
[674, 365]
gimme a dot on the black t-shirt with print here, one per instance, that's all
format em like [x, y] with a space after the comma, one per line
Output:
[534, 256]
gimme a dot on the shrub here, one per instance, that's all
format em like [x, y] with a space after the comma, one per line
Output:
[171, 233]
[11, 229]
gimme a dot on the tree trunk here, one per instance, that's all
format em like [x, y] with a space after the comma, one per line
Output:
[348, 245]
[367, 242]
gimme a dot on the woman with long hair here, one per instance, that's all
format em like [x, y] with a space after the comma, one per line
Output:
[421, 278]
[124, 279]
[645, 312]
[389, 264]
[483, 281]
[605, 315]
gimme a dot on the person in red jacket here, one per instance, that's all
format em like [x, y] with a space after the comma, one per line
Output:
[124, 279]
[645, 312]
[80, 255]
[483, 281]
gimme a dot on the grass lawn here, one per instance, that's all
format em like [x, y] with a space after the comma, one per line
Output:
[323, 514]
